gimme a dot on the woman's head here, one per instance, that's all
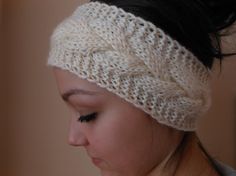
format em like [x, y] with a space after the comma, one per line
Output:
[135, 60]
[144, 85]
[120, 138]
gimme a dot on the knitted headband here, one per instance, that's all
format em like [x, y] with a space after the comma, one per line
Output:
[135, 60]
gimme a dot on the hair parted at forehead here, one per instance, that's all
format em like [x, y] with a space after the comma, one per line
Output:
[134, 59]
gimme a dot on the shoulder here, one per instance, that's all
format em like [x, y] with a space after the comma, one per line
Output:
[226, 170]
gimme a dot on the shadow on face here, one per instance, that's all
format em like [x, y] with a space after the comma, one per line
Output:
[119, 137]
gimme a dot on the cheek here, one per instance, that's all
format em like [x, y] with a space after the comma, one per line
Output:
[120, 134]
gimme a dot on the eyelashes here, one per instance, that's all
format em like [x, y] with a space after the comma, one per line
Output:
[87, 118]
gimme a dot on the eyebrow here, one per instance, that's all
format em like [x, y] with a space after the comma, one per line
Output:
[66, 95]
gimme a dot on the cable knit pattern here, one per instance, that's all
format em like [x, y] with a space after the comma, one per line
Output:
[134, 59]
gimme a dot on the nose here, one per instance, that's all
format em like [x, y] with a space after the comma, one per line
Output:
[77, 135]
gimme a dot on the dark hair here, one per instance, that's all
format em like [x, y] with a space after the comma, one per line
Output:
[196, 24]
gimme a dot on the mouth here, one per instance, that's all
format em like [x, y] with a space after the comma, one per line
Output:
[96, 161]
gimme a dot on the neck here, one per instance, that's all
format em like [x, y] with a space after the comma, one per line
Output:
[189, 160]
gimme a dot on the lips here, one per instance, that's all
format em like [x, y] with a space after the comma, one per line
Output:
[96, 161]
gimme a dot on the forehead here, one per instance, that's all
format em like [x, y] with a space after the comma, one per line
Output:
[67, 80]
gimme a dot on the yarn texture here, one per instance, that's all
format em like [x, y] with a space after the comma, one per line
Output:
[134, 59]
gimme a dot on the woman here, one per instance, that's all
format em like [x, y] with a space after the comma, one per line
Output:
[136, 76]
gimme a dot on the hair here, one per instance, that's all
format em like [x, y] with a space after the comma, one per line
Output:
[196, 24]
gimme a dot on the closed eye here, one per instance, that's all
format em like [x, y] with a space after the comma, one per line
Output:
[87, 118]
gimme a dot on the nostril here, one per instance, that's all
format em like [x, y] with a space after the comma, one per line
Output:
[79, 141]
[71, 141]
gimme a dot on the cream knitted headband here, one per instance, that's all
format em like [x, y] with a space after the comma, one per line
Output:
[135, 60]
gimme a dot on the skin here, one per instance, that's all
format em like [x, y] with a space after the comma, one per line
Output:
[194, 161]
[122, 140]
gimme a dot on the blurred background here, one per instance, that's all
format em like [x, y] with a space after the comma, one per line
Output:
[33, 118]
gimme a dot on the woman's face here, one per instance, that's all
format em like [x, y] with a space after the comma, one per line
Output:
[120, 139]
